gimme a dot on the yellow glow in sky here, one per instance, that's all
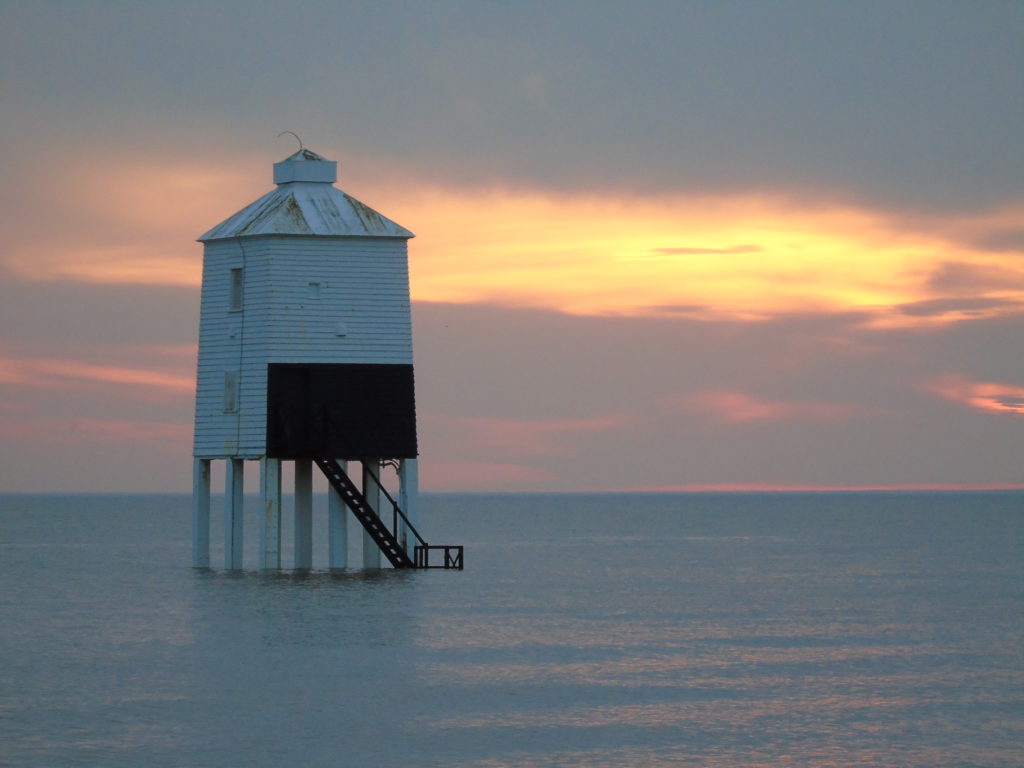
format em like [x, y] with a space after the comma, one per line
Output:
[729, 257]
[744, 257]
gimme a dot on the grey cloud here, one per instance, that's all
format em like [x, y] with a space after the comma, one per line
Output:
[69, 314]
[899, 102]
[679, 309]
[490, 362]
[550, 366]
[1011, 402]
[933, 307]
[1003, 240]
[963, 279]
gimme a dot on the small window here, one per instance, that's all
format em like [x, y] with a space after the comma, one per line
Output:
[230, 391]
[237, 281]
[314, 291]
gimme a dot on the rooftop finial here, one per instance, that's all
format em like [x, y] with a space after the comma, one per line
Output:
[282, 133]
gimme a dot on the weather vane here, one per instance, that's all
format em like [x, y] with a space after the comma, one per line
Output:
[293, 133]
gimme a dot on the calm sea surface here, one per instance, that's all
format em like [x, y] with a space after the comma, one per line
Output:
[588, 630]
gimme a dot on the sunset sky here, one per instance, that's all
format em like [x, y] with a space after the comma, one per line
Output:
[661, 245]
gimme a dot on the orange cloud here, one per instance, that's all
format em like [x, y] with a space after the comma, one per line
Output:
[988, 397]
[91, 431]
[122, 219]
[739, 408]
[743, 257]
[739, 256]
[58, 373]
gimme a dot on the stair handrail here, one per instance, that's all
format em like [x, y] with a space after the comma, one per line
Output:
[397, 511]
[361, 508]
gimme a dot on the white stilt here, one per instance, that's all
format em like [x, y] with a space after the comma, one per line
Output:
[408, 500]
[201, 513]
[337, 527]
[371, 473]
[303, 549]
[270, 530]
[234, 514]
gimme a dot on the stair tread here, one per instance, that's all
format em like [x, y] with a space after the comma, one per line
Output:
[365, 513]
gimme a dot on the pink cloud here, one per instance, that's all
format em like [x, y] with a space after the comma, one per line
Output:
[134, 223]
[96, 431]
[985, 396]
[738, 408]
[813, 488]
[42, 372]
[460, 475]
[529, 437]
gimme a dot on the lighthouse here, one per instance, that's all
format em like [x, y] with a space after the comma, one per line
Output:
[305, 355]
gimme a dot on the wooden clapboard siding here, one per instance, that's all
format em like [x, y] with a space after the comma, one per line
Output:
[231, 341]
[364, 284]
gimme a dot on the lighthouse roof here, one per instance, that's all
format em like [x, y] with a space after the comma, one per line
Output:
[306, 202]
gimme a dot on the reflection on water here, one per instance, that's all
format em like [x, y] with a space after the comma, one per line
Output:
[588, 631]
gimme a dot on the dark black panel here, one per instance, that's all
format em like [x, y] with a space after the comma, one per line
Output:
[341, 411]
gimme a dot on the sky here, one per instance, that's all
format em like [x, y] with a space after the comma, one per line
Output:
[661, 245]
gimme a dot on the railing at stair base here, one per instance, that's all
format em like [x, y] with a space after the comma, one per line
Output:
[452, 556]
[452, 559]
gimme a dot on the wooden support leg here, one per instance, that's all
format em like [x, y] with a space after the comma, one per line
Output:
[408, 500]
[337, 527]
[371, 470]
[201, 513]
[303, 549]
[234, 514]
[270, 530]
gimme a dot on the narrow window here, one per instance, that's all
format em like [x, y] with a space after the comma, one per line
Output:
[314, 291]
[230, 391]
[237, 280]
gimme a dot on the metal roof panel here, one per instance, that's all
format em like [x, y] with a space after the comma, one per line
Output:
[306, 203]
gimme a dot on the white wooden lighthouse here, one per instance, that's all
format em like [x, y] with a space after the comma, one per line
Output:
[305, 355]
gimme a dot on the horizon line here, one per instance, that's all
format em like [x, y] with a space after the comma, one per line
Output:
[815, 488]
[654, 489]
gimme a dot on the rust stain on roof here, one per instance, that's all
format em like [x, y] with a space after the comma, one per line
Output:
[307, 209]
[372, 221]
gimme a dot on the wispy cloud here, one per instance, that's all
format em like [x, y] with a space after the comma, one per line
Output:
[959, 307]
[738, 256]
[752, 257]
[40, 372]
[739, 408]
[49, 430]
[134, 222]
[985, 396]
[535, 437]
[703, 251]
[440, 475]
[964, 278]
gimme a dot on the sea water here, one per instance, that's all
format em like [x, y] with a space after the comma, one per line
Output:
[601, 631]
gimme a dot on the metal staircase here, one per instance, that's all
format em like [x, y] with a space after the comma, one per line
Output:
[384, 538]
